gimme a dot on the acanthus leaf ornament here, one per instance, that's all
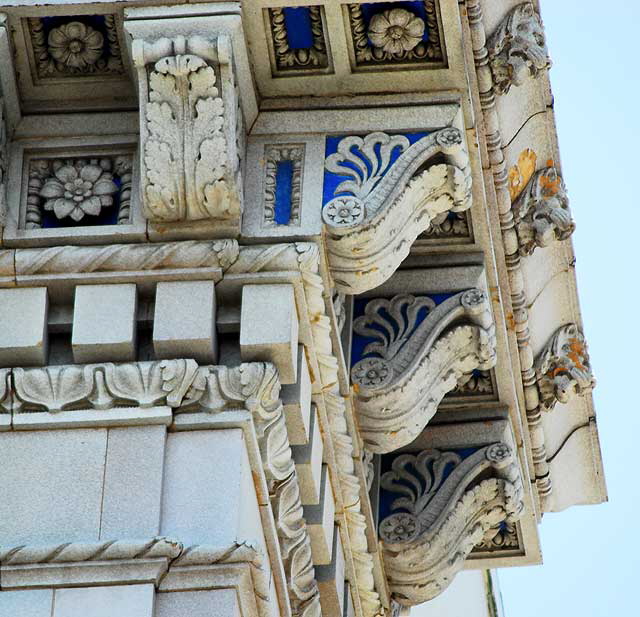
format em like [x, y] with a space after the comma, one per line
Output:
[541, 212]
[399, 387]
[517, 49]
[448, 505]
[189, 118]
[563, 369]
[383, 205]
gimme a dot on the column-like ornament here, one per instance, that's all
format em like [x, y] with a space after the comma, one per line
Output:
[541, 213]
[189, 118]
[411, 363]
[393, 191]
[517, 49]
[448, 505]
[563, 369]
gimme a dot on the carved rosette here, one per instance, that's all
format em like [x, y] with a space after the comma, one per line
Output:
[409, 368]
[189, 117]
[448, 506]
[517, 49]
[383, 206]
[563, 369]
[541, 212]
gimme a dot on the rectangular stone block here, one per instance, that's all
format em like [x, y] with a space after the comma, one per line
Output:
[208, 495]
[269, 328]
[308, 459]
[331, 580]
[133, 482]
[120, 600]
[184, 323]
[51, 486]
[30, 603]
[218, 602]
[104, 323]
[320, 522]
[297, 403]
[23, 326]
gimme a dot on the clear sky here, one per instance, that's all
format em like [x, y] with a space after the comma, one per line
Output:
[592, 553]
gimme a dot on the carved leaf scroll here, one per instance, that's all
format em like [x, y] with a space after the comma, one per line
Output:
[383, 205]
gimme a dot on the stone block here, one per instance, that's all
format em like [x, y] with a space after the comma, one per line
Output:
[120, 600]
[133, 482]
[208, 495]
[320, 522]
[184, 323]
[51, 486]
[297, 403]
[269, 328]
[308, 459]
[104, 323]
[23, 326]
[218, 602]
[331, 580]
[29, 603]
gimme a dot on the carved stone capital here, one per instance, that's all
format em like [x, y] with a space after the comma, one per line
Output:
[189, 126]
[563, 369]
[411, 364]
[448, 505]
[541, 212]
[383, 206]
[517, 49]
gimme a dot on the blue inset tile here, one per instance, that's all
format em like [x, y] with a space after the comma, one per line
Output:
[298, 26]
[284, 187]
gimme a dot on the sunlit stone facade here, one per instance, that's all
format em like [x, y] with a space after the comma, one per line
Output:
[288, 316]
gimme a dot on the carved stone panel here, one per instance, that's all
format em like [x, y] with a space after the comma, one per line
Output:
[413, 351]
[381, 192]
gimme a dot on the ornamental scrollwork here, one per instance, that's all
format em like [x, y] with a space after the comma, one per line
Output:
[563, 369]
[393, 191]
[447, 505]
[541, 212]
[517, 49]
[413, 360]
[190, 164]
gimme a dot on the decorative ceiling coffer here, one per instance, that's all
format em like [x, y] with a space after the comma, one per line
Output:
[563, 369]
[517, 49]
[391, 188]
[449, 502]
[189, 121]
[416, 352]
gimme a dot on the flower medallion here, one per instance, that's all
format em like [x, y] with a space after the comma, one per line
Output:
[77, 189]
[75, 45]
[396, 31]
[343, 211]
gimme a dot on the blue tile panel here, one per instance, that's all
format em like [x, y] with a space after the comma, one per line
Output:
[284, 187]
[298, 26]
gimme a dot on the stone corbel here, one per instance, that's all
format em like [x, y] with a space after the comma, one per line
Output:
[563, 369]
[541, 212]
[408, 368]
[448, 504]
[383, 206]
[517, 49]
[189, 125]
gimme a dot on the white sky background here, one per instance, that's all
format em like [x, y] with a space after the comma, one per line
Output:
[592, 553]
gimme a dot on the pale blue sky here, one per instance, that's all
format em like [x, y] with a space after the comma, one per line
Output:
[592, 554]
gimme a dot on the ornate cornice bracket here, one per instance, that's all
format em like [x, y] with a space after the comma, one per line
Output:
[408, 368]
[448, 505]
[563, 369]
[517, 49]
[191, 125]
[541, 212]
[383, 206]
